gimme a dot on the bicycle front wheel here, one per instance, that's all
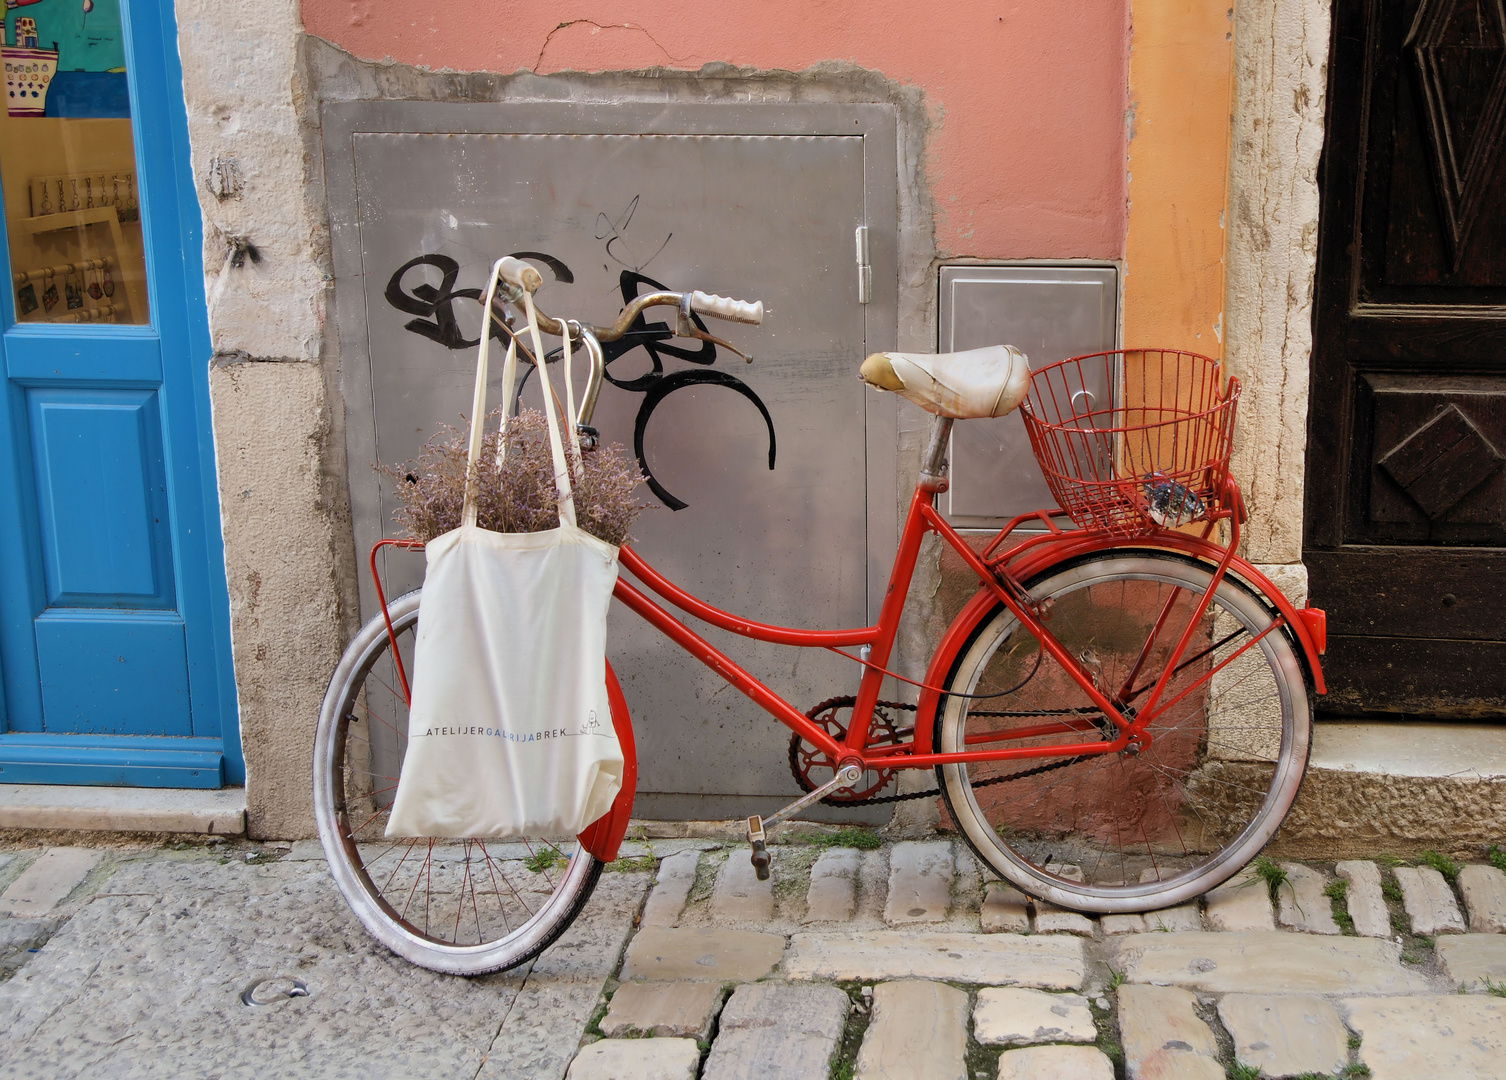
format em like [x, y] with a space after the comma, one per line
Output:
[1134, 830]
[457, 906]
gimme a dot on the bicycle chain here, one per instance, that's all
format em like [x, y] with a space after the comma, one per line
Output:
[879, 800]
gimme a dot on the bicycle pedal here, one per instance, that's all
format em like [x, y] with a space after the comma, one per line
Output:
[760, 853]
[761, 860]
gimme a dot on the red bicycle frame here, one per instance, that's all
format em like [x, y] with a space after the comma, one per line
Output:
[1001, 570]
[1001, 584]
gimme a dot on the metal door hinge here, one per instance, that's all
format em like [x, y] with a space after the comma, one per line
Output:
[865, 268]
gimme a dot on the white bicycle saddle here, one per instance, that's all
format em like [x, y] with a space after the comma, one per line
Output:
[969, 385]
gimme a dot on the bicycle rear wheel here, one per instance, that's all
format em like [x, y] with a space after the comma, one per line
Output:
[1127, 831]
[457, 906]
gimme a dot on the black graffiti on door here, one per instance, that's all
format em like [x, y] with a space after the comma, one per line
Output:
[434, 308]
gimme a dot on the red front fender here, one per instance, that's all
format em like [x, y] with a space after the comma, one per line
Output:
[1305, 623]
[604, 835]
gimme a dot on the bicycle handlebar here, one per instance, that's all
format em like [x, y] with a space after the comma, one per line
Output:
[522, 276]
[722, 307]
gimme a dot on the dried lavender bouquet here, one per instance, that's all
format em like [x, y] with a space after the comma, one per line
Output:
[519, 496]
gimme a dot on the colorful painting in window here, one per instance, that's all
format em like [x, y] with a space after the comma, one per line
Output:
[64, 58]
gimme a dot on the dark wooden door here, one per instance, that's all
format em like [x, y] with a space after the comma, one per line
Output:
[1406, 494]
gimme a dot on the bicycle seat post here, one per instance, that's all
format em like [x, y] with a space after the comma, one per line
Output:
[933, 469]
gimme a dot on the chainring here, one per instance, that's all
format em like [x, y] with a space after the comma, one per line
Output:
[812, 768]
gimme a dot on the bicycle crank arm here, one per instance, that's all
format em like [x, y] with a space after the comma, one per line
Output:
[758, 827]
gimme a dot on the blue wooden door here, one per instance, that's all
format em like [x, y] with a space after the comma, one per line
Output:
[114, 626]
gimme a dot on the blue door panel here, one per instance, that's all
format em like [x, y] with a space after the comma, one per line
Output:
[128, 356]
[102, 498]
[107, 673]
[114, 761]
[114, 617]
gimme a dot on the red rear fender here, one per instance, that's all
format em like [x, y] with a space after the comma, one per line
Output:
[604, 835]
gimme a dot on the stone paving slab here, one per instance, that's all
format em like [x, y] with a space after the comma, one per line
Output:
[672, 887]
[19, 936]
[1239, 904]
[1302, 905]
[1005, 910]
[918, 1032]
[1461, 1037]
[774, 1029]
[1055, 1063]
[1181, 917]
[637, 1059]
[1163, 1037]
[1484, 889]
[738, 896]
[147, 982]
[920, 882]
[1285, 1034]
[47, 881]
[1122, 924]
[1267, 963]
[832, 895]
[1050, 919]
[1428, 900]
[541, 1030]
[1364, 899]
[1470, 959]
[1016, 1016]
[667, 1009]
[714, 954]
[1054, 962]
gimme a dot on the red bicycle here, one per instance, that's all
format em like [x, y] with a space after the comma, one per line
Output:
[1118, 720]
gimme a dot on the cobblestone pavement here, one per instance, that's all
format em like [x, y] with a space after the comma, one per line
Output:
[856, 960]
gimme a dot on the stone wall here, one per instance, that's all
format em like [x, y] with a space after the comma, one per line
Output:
[279, 445]
[1281, 75]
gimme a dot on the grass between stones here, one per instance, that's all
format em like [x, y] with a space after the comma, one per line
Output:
[1497, 857]
[845, 1063]
[633, 864]
[1337, 892]
[1442, 863]
[853, 837]
[1272, 873]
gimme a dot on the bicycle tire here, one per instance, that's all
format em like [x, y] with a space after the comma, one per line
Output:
[1129, 832]
[359, 857]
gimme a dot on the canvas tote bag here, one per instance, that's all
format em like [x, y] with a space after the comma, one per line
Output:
[509, 730]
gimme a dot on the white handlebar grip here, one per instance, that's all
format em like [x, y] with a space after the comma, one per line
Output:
[722, 307]
[519, 273]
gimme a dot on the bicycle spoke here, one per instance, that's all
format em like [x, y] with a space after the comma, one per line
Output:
[1162, 808]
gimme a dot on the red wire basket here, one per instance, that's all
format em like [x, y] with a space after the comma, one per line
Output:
[1133, 440]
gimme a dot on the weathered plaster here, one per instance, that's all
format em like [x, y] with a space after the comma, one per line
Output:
[279, 446]
[271, 424]
[1281, 74]
[1179, 85]
[244, 92]
[1027, 99]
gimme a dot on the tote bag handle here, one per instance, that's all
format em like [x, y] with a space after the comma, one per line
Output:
[509, 377]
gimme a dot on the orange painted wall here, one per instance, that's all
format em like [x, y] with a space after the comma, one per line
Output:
[1026, 97]
[1180, 81]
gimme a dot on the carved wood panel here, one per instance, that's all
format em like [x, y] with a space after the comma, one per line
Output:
[1434, 216]
[1433, 471]
[1405, 520]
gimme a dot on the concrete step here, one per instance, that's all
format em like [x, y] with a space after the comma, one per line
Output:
[219, 812]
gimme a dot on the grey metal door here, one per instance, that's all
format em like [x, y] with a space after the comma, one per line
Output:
[761, 473]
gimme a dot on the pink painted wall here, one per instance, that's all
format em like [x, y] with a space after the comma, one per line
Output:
[1026, 157]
